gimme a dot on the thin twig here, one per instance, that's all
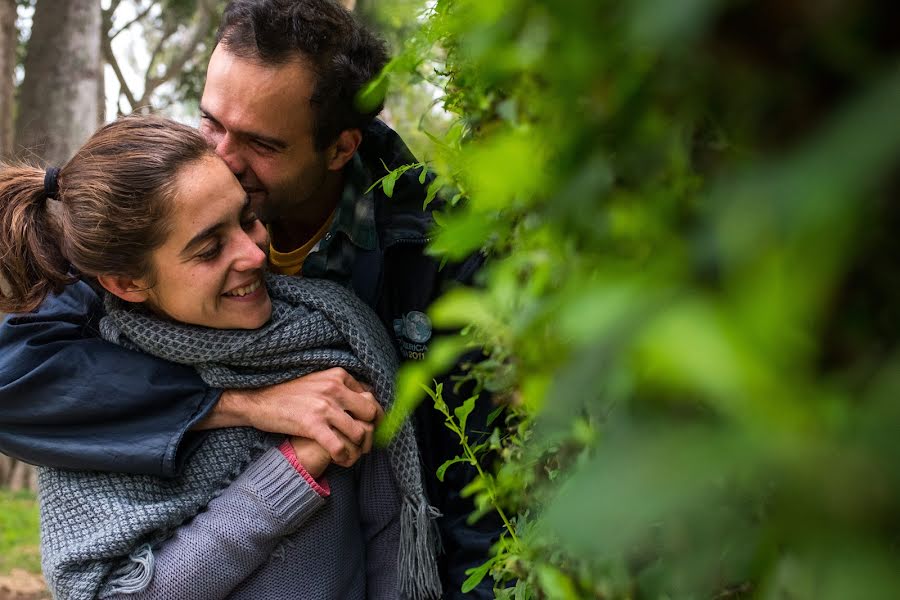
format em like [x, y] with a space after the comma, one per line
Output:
[140, 16]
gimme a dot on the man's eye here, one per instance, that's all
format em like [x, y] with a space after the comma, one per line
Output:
[249, 221]
[264, 147]
[209, 122]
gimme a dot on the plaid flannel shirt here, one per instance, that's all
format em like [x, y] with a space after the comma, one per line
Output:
[353, 228]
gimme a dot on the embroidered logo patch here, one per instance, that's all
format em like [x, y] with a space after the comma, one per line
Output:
[413, 330]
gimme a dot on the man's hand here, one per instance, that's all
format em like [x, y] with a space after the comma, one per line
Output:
[329, 407]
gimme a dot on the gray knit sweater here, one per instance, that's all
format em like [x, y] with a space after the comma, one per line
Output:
[270, 536]
[267, 533]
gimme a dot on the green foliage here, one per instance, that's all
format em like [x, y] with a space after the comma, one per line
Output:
[19, 544]
[690, 306]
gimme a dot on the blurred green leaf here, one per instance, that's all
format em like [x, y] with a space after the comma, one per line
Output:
[462, 233]
[617, 498]
[493, 415]
[476, 575]
[460, 307]
[556, 584]
[373, 93]
[412, 378]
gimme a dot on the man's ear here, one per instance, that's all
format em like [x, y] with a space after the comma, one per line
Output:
[126, 288]
[343, 149]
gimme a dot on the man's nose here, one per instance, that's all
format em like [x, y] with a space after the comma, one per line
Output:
[229, 150]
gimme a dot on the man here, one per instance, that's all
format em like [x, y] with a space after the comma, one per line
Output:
[279, 107]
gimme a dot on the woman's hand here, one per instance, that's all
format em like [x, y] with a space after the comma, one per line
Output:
[314, 458]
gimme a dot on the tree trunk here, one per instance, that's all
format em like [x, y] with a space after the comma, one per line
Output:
[16, 475]
[58, 107]
[12, 473]
[8, 43]
[58, 98]
[101, 88]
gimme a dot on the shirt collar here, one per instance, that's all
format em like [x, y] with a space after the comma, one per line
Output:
[355, 212]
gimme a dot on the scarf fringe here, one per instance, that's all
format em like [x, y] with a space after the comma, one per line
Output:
[135, 575]
[420, 544]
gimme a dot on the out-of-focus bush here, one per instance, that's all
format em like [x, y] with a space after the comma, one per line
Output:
[692, 298]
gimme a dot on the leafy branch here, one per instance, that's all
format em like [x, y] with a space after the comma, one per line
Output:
[456, 422]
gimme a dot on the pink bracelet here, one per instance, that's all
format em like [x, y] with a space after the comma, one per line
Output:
[322, 488]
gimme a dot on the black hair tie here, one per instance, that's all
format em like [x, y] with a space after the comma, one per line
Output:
[51, 184]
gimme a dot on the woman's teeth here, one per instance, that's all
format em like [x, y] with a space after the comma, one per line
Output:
[243, 291]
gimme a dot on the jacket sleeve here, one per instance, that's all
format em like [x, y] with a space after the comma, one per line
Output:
[379, 509]
[69, 399]
[209, 556]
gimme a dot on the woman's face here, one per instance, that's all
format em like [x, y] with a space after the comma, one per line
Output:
[209, 271]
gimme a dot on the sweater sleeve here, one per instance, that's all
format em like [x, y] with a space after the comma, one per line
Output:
[379, 509]
[71, 400]
[222, 546]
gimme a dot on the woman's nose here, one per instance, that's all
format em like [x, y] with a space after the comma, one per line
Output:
[250, 254]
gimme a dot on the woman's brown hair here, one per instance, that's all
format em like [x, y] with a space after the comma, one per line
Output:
[112, 210]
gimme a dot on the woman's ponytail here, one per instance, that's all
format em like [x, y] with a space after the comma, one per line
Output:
[32, 265]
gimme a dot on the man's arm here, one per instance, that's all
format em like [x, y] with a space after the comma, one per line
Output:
[330, 407]
[70, 399]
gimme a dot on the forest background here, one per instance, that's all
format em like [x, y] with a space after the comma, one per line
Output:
[690, 307]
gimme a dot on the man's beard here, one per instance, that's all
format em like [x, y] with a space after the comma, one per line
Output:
[291, 206]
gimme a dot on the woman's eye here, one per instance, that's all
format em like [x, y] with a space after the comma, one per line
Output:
[210, 253]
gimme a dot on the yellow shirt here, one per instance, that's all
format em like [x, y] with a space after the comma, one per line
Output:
[291, 262]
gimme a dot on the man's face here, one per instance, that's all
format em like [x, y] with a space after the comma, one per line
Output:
[259, 120]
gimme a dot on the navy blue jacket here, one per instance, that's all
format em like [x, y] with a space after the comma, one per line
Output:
[69, 399]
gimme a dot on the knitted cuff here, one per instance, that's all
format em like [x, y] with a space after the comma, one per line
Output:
[274, 481]
[321, 487]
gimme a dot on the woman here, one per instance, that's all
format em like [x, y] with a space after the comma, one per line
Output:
[146, 212]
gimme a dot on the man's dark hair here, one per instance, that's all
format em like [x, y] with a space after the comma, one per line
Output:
[342, 53]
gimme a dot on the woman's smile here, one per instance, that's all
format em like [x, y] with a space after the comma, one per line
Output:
[248, 291]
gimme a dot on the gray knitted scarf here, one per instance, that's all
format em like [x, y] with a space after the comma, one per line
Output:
[94, 523]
